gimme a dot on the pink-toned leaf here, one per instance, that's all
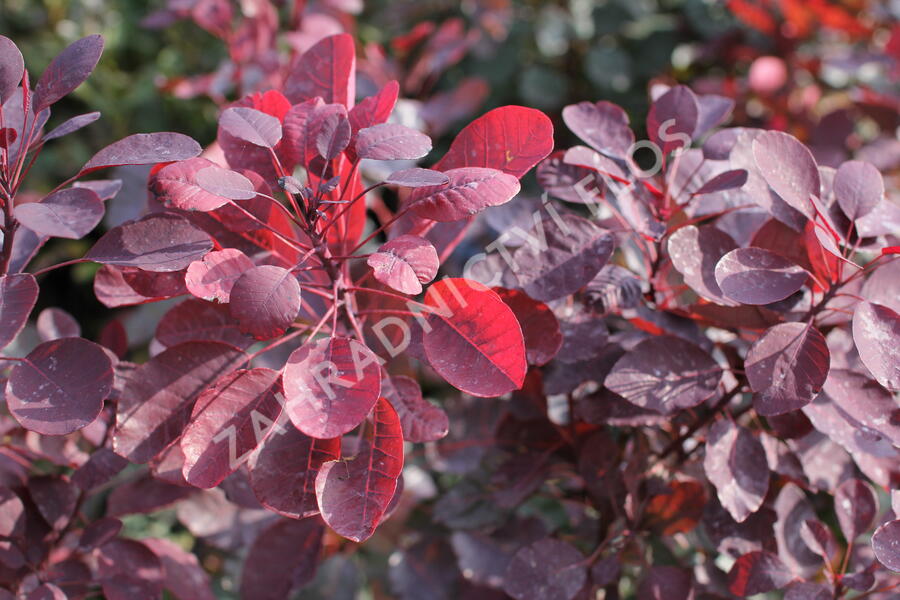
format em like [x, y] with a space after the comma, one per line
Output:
[176, 185]
[354, 494]
[18, 294]
[252, 126]
[665, 374]
[472, 338]
[298, 143]
[284, 557]
[511, 139]
[228, 422]
[886, 545]
[787, 367]
[420, 420]
[376, 109]
[471, 190]
[563, 253]
[144, 149]
[548, 569]
[159, 242]
[105, 188]
[327, 70]
[405, 263]
[726, 180]
[856, 507]
[71, 213]
[735, 464]
[265, 300]
[72, 125]
[60, 386]
[392, 141]
[12, 67]
[67, 71]
[226, 183]
[127, 569]
[330, 386]
[666, 583]
[569, 182]
[858, 188]
[158, 398]
[283, 471]
[713, 111]
[789, 168]
[673, 118]
[758, 276]
[757, 573]
[47, 591]
[540, 327]
[694, 252]
[182, 573]
[876, 331]
[415, 178]
[331, 128]
[12, 513]
[198, 321]
[55, 323]
[604, 126]
[212, 277]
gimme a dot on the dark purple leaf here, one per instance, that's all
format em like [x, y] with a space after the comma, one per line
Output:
[426, 570]
[156, 403]
[713, 111]
[55, 498]
[886, 544]
[420, 420]
[804, 590]
[71, 126]
[327, 70]
[727, 180]
[71, 213]
[331, 130]
[787, 367]
[673, 118]
[145, 494]
[695, 251]
[12, 67]
[99, 532]
[471, 190]
[736, 465]
[102, 466]
[867, 406]
[856, 506]
[414, 178]
[858, 187]
[284, 557]
[405, 263]
[18, 294]
[354, 494]
[392, 141]
[160, 242]
[757, 573]
[876, 331]
[789, 168]
[144, 149]
[67, 71]
[665, 374]
[563, 180]
[540, 327]
[55, 323]
[820, 539]
[666, 583]
[47, 591]
[212, 277]
[182, 573]
[793, 510]
[127, 569]
[105, 188]
[265, 300]
[197, 321]
[225, 183]
[561, 256]
[548, 569]
[251, 126]
[283, 471]
[330, 386]
[757, 276]
[604, 126]
[60, 386]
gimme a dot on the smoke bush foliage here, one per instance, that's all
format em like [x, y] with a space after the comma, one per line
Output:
[674, 380]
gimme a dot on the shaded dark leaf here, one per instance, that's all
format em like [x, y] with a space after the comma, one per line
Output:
[159, 242]
[548, 569]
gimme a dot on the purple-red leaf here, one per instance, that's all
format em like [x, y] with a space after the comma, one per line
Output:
[758, 276]
[72, 125]
[155, 406]
[561, 256]
[332, 130]
[354, 494]
[392, 141]
[330, 386]
[876, 331]
[694, 252]
[472, 338]
[886, 545]
[127, 569]
[414, 178]
[144, 149]
[327, 70]
[160, 242]
[471, 190]
[405, 263]
[723, 181]
[511, 139]
[548, 569]
[55, 323]
[757, 573]
[182, 573]
[283, 471]
[176, 185]
[856, 507]
[673, 118]
[252, 126]
[212, 277]
[736, 465]
[265, 300]
[787, 367]
[198, 321]
[540, 327]
[858, 188]
[789, 168]
[71, 213]
[12, 67]
[67, 71]
[420, 420]
[666, 583]
[604, 126]
[665, 374]
[60, 386]
[284, 557]
[225, 183]
[18, 294]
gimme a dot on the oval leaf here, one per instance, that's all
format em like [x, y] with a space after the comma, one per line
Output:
[414, 178]
[757, 573]
[18, 295]
[67, 71]
[284, 557]
[265, 300]
[226, 183]
[144, 149]
[213, 277]
[548, 569]
[472, 338]
[159, 242]
[55, 323]
[757, 276]
[176, 185]
[858, 188]
[420, 420]
[70, 213]
[60, 386]
[252, 126]
[327, 70]
[72, 125]
[471, 190]
[789, 168]
[12, 67]
[392, 141]
[694, 252]
[604, 126]
[886, 545]
[540, 327]
[736, 464]
[856, 506]
[876, 330]
[405, 263]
